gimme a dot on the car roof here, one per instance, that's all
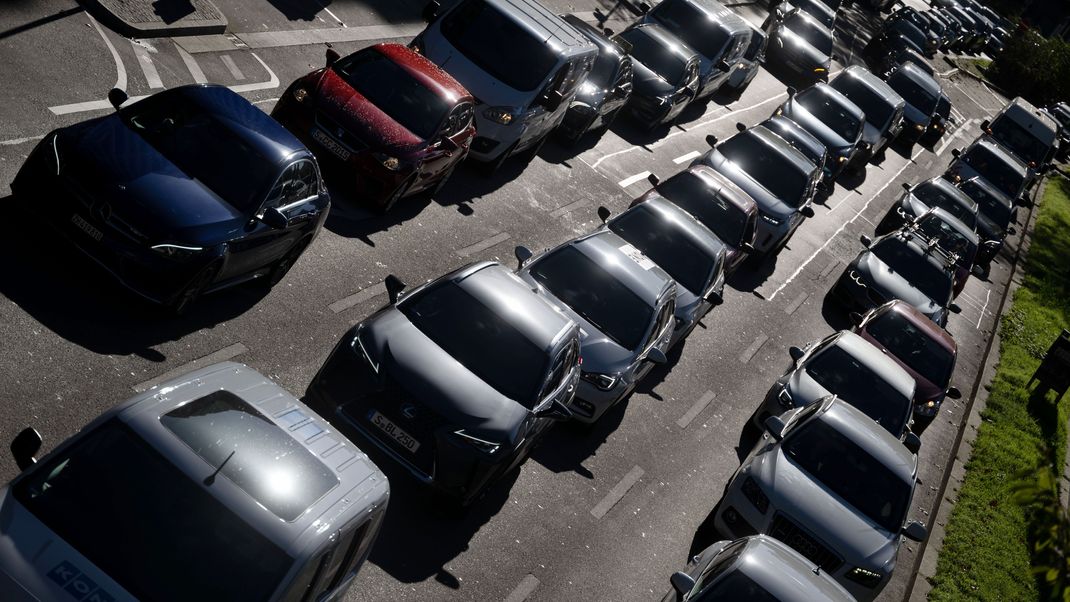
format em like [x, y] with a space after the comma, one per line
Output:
[595, 35]
[946, 217]
[604, 248]
[784, 126]
[780, 146]
[726, 189]
[1028, 116]
[946, 186]
[810, 19]
[987, 187]
[665, 38]
[870, 436]
[684, 223]
[876, 360]
[426, 72]
[920, 322]
[544, 24]
[918, 246]
[719, 13]
[878, 85]
[915, 73]
[785, 573]
[1004, 155]
[836, 96]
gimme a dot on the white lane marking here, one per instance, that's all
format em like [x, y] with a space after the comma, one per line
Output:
[191, 65]
[958, 133]
[335, 17]
[617, 493]
[366, 294]
[626, 182]
[272, 82]
[753, 349]
[302, 37]
[222, 355]
[843, 199]
[802, 266]
[152, 77]
[260, 102]
[15, 141]
[983, 309]
[483, 244]
[695, 410]
[568, 208]
[972, 99]
[120, 68]
[687, 157]
[526, 587]
[232, 66]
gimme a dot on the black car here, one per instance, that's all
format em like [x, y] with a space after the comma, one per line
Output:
[995, 214]
[916, 200]
[801, 45]
[802, 141]
[893, 37]
[185, 192]
[665, 76]
[922, 94]
[882, 106]
[929, 40]
[605, 90]
[832, 118]
[941, 120]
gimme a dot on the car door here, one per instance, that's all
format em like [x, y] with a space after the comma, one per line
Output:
[441, 157]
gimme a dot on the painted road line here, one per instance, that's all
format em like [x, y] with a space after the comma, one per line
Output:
[209, 43]
[222, 355]
[120, 68]
[687, 157]
[695, 410]
[626, 182]
[527, 587]
[568, 208]
[334, 16]
[303, 37]
[358, 297]
[15, 141]
[794, 305]
[984, 309]
[617, 493]
[959, 132]
[272, 82]
[483, 244]
[266, 100]
[974, 101]
[753, 349]
[831, 266]
[232, 67]
[191, 65]
[152, 76]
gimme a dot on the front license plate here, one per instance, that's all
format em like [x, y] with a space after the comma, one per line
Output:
[396, 433]
[86, 227]
[330, 144]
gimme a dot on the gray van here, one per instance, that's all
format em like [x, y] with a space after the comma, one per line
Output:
[522, 63]
[216, 485]
[711, 29]
[1027, 132]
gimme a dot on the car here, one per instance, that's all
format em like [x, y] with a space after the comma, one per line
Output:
[882, 106]
[890, 61]
[188, 191]
[800, 44]
[929, 41]
[455, 380]
[996, 41]
[955, 238]
[921, 93]
[679, 244]
[1027, 132]
[605, 90]
[900, 265]
[780, 179]
[831, 483]
[666, 76]
[995, 216]
[941, 120]
[893, 37]
[803, 141]
[624, 304]
[853, 370]
[220, 472]
[748, 63]
[832, 118]
[717, 203]
[753, 569]
[916, 200]
[1061, 113]
[926, 351]
[387, 118]
[817, 9]
[986, 159]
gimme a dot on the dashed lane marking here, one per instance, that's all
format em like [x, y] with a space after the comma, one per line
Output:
[568, 208]
[695, 410]
[527, 587]
[191, 65]
[685, 158]
[626, 182]
[120, 68]
[358, 297]
[15, 141]
[753, 349]
[224, 354]
[232, 67]
[483, 244]
[617, 493]
[152, 76]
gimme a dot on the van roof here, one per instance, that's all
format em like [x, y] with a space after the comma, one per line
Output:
[1022, 111]
[545, 25]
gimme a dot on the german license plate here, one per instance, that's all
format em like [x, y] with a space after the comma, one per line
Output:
[330, 144]
[86, 227]
[396, 433]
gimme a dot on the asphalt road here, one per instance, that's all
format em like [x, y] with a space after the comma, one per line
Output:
[607, 514]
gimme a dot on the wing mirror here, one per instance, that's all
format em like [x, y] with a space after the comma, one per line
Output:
[954, 393]
[555, 411]
[274, 219]
[955, 152]
[682, 582]
[117, 97]
[603, 213]
[791, 91]
[954, 308]
[740, 127]
[431, 10]
[796, 353]
[332, 56]
[807, 211]
[746, 247]
[865, 240]
[522, 254]
[723, 65]
[643, 7]
[986, 124]
[915, 531]
[1021, 202]
[912, 443]
[656, 355]
[394, 287]
[447, 143]
[711, 140]
[775, 426]
[25, 446]
[653, 179]
[714, 298]
[906, 186]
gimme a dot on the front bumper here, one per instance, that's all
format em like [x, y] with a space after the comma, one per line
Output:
[767, 236]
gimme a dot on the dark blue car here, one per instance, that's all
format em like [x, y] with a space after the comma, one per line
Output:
[186, 192]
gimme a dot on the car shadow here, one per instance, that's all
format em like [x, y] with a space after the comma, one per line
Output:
[903, 148]
[852, 178]
[834, 313]
[638, 134]
[557, 151]
[754, 271]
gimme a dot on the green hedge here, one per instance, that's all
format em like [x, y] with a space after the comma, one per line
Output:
[1034, 67]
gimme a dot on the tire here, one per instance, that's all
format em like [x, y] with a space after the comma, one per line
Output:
[282, 266]
[189, 295]
[397, 195]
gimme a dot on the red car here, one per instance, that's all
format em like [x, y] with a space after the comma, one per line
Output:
[394, 119]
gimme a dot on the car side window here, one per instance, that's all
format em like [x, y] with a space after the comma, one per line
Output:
[460, 118]
[298, 181]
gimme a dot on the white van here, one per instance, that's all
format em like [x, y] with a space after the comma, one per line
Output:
[1027, 132]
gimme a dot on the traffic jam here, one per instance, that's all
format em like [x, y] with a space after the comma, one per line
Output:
[454, 382]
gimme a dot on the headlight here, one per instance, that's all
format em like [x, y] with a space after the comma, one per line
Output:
[784, 397]
[928, 408]
[770, 219]
[820, 70]
[778, 112]
[841, 159]
[300, 94]
[604, 382]
[177, 251]
[391, 163]
[502, 115]
[919, 127]
[864, 577]
[755, 495]
[487, 447]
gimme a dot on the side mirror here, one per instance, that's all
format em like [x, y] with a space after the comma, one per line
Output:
[117, 97]
[954, 393]
[274, 219]
[955, 152]
[431, 10]
[954, 308]
[740, 127]
[555, 411]
[1021, 202]
[603, 213]
[332, 56]
[606, 31]
[775, 426]
[656, 355]
[807, 211]
[915, 531]
[791, 91]
[522, 255]
[912, 443]
[1012, 230]
[653, 179]
[552, 100]
[723, 65]
[856, 318]
[25, 446]
[865, 240]
[643, 7]
[985, 124]
[394, 287]
[682, 582]
[796, 353]
[711, 140]
[906, 186]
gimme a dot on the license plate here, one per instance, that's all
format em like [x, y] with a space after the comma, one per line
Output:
[396, 433]
[86, 227]
[330, 144]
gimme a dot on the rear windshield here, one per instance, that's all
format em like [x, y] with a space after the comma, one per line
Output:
[993, 207]
[833, 114]
[810, 31]
[801, 141]
[394, 91]
[693, 27]
[144, 523]
[912, 92]
[913, 346]
[878, 109]
[1023, 143]
[499, 46]
[934, 195]
[839, 373]
[994, 168]
[943, 106]
[693, 195]
[767, 167]
[849, 472]
[950, 239]
[736, 586]
[596, 295]
[914, 266]
[661, 240]
[480, 339]
[655, 56]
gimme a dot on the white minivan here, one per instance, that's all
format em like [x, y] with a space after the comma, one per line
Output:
[1027, 132]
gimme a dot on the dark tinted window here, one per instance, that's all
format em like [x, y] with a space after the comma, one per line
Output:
[850, 473]
[693, 27]
[692, 194]
[991, 206]
[657, 57]
[878, 109]
[933, 195]
[394, 91]
[803, 25]
[1023, 143]
[943, 106]
[949, 238]
[719, 564]
[817, 10]
[995, 169]
[661, 240]
[480, 339]
[252, 451]
[913, 347]
[914, 266]
[605, 67]
[912, 92]
[143, 522]
[767, 167]
[498, 45]
[298, 182]
[833, 114]
[909, 31]
[852, 381]
[796, 139]
[595, 294]
[736, 586]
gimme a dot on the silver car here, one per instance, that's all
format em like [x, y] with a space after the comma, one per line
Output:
[832, 484]
[986, 159]
[624, 304]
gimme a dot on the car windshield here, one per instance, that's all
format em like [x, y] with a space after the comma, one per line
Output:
[767, 167]
[833, 114]
[693, 195]
[850, 473]
[934, 195]
[992, 206]
[908, 30]
[949, 238]
[496, 44]
[661, 240]
[482, 340]
[878, 109]
[200, 144]
[998, 171]
[1021, 141]
[595, 295]
[693, 27]
[605, 67]
[655, 56]
[913, 346]
[390, 88]
[914, 266]
[135, 516]
[817, 10]
[841, 374]
[912, 92]
[943, 106]
[735, 586]
[802, 25]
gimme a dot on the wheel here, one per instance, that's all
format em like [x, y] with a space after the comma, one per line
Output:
[490, 168]
[397, 195]
[282, 267]
[182, 302]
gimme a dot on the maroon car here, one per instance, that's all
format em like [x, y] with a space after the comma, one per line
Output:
[925, 350]
[397, 122]
[717, 203]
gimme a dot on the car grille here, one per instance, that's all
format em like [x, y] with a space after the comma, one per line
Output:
[421, 426]
[788, 532]
[339, 133]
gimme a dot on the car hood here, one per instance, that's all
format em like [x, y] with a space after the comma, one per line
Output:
[832, 141]
[988, 229]
[599, 352]
[766, 201]
[892, 285]
[915, 116]
[647, 83]
[339, 101]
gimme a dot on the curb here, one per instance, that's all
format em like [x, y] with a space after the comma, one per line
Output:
[209, 21]
[925, 565]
